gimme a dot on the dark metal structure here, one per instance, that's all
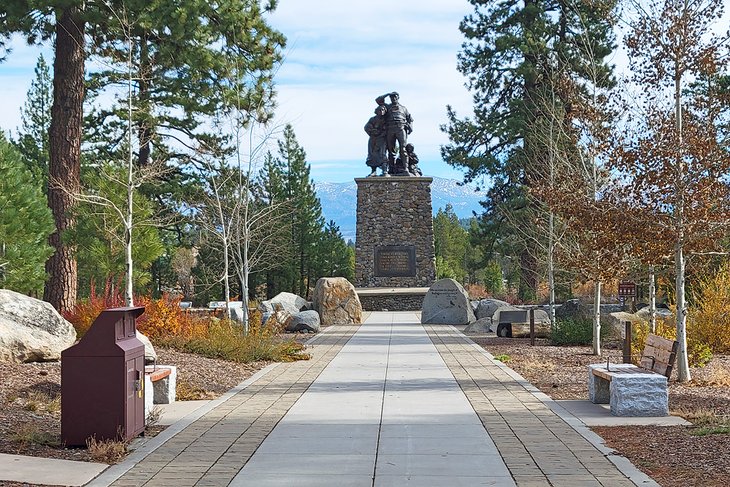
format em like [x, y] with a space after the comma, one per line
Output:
[102, 381]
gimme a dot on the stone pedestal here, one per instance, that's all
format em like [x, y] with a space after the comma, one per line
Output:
[630, 394]
[394, 241]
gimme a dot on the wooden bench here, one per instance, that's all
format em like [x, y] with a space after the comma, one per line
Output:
[636, 390]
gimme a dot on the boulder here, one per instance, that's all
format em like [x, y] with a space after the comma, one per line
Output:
[304, 321]
[279, 319]
[289, 302]
[336, 302]
[572, 308]
[483, 325]
[31, 330]
[149, 351]
[487, 307]
[447, 303]
[661, 313]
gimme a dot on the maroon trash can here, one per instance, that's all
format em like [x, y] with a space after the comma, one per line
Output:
[102, 381]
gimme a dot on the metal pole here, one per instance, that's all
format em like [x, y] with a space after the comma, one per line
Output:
[532, 327]
[627, 342]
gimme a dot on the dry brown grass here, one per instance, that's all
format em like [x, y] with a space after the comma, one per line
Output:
[106, 451]
[186, 391]
[42, 402]
[717, 376]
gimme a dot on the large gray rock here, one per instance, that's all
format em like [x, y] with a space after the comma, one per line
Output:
[572, 309]
[661, 313]
[447, 303]
[336, 302]
[487, 307]
[304, 321]
[149, 351]
[483, 325]
[291, 303]
[31, 330]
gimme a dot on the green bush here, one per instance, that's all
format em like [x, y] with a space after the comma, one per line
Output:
[577, 331]
[226, 340]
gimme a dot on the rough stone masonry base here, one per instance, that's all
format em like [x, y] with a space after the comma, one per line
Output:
[394, 241]
[630, 394]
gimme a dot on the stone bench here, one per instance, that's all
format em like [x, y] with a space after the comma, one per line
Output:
[159, 385]
[636, 390]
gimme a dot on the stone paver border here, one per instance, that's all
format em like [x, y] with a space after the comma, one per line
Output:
[209, 446]
[565, 453]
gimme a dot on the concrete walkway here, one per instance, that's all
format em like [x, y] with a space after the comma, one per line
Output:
[390, 403]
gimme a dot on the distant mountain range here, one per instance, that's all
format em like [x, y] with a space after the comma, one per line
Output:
[339, 201]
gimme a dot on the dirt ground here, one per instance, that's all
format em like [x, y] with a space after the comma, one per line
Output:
[30, 400]
[696, 455]
[675, 456]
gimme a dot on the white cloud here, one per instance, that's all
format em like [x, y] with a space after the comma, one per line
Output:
[339, 57]
[346, 54]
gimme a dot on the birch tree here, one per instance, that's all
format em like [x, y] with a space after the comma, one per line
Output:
[671, 165]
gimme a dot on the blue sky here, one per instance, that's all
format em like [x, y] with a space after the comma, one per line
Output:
[339, 57]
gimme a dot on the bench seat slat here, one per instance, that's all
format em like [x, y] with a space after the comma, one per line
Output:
[156, 374]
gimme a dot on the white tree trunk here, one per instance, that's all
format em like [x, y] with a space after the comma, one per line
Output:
[597, 318]
[551, 269]
[652, 299]
[226, 280]
[682, 358]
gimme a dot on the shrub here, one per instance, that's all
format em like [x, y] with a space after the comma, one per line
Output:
[578, 331]
[709, 317]
[87, 310]
[164, 317]
[699, 353]
[225, 339]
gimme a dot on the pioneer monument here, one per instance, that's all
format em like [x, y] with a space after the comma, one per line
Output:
[394, 251]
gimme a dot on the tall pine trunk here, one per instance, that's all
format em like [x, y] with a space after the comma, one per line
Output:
[65, 154]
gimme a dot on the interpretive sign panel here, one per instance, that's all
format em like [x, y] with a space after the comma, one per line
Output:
[395, 261]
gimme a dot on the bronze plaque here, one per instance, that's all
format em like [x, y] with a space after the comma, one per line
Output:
[395, 261]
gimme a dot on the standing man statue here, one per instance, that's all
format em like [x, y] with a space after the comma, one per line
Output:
[398, 124]
[375, 128]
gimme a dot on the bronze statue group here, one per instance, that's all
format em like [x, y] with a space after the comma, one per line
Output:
[391, 124]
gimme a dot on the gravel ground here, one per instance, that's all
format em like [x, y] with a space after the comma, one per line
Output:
[30, 412]
[675, 456]
[697, 455]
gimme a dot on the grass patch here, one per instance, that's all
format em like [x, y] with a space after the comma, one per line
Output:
[30, 434]
[503, 357]
[39, 401]
[711, 430]
[225, 339]
[185, 391]
[701, 417]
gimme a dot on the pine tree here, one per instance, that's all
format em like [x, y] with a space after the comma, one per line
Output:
[25, 224]
[36, 118]
[306, 218]
[512, 54]
[65, 22]
[222, 53]
[451, 243]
